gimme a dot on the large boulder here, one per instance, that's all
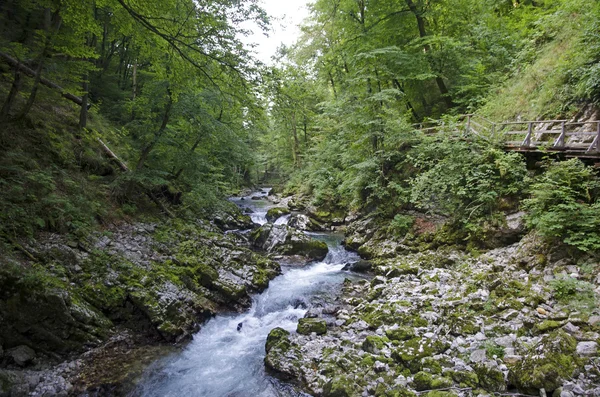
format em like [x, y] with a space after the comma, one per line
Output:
[284, 240]
[283, 357]
[231, 217]
[306, 326]
[304, 222]
[275, 213]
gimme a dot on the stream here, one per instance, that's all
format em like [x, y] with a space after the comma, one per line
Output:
[222, 361]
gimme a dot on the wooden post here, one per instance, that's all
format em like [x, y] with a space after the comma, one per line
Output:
[560, 142]
[527, 141]
[597, 136]
[468, 124]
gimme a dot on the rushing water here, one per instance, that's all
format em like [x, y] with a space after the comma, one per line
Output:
[222, 361]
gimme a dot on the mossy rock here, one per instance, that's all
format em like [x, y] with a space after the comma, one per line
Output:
[373, 344]
[277, 336]
[439, 393]
[339, 386]
[411, 351]
[401, 333]
[400, 392]
[426, 381]
[275, 213]
[546, 326]
[547, 364]
[432, 365]
[490, 378]
[465, 379]
[403, 269]
[306, 326]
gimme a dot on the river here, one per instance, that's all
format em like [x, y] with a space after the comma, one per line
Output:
[224, 361]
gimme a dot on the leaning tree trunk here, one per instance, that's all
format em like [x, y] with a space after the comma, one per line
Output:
[427, 48]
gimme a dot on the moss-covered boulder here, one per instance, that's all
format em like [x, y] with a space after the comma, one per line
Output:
[491, 378]
[275, 213]
[231, 217]
[426, 381]
[547, 364]
[283, 358]
[339, 386]
[284, 240]
[401, 333]
[373, 344]
[306, 326]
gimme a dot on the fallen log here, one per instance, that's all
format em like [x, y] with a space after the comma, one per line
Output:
[31, 73]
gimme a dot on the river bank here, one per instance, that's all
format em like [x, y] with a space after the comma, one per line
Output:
[87, 315]
[520, 319]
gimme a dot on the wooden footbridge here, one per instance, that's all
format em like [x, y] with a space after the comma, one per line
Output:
[563, 137]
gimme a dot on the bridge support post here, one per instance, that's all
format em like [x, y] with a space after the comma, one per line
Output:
[527, 141]
[560, 142]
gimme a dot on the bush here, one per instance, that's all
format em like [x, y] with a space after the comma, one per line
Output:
[563, 205]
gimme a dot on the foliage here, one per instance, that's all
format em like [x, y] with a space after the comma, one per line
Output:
[579, 295]
[465, 181]
[564, 204]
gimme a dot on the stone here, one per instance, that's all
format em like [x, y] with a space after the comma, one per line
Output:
[594, 321]
[22, 355]
[284, 240]
[361, 266]
[587, 349]
[274, 213]
[506, 341]
[571, 329]
[306, 326]
[478, 356]
[542, 311]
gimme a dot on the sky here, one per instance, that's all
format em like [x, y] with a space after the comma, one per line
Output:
[286, 16]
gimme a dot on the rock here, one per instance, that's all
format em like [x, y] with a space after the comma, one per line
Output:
[284, 240]
[594, 321]
[231, 217]
[283, 357]
[256, 198]
[400, 333]
[542, 311]
[306, 326]
[506, 341]
[274, 213]
[491, 377]
[548, 370]
[340, 386]
[426, 381]
[361, 266]
[276, 337]
[304, 222]
[22, 355]
[587, 349]
[478, 356]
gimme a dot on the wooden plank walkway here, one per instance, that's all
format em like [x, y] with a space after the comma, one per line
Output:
[572, 139]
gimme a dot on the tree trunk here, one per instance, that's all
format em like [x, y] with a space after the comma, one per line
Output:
[296, 144]
[146, 151]
[83, 113]
[427, 48]
[12, 95]
[51, 31]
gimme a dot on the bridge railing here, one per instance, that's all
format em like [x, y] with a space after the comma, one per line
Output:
[553, 135]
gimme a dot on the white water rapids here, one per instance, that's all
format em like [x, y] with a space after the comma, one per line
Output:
[222, 361]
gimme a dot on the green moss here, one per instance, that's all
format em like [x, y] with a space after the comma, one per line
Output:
[274, 213]
[465, 379]
[439, 393]
[277, 337]
[339, 386]
[373, 344]
[401, 333]
[490, 378]
[432, 365]
[400, 392]
[546, 326]
[426, 381]
[306, 326]
[547, 365]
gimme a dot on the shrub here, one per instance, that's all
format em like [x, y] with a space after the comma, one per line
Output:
[563, 205]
